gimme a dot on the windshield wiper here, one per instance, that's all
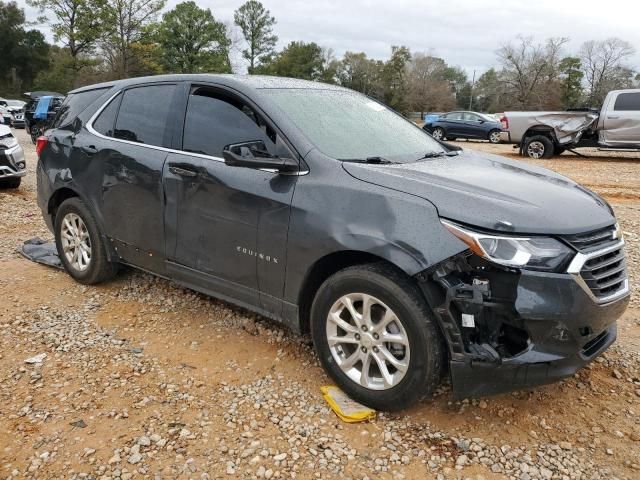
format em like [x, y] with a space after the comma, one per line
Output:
[451, 153]
[370, 160]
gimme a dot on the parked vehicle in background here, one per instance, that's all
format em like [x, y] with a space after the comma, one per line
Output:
[12, 162]
[6, 117]
[16, 109]
[455, 125]
[30, 108]
[44, 111]
[544, 134]
[323, 209]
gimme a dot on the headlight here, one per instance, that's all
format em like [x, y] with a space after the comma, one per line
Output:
[8, 141]
[534, 253]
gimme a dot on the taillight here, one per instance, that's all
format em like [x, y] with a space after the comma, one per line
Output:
[41, 142]
[505, 122]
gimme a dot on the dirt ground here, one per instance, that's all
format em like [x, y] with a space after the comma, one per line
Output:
[143, 379]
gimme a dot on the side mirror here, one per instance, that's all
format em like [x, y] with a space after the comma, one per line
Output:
[255, 155]
[481, 121]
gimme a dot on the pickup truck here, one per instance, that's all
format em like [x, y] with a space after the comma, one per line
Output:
[544, 134]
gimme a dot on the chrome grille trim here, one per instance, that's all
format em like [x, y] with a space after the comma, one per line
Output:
[578, 268]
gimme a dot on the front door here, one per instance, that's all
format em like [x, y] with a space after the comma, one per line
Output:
[227, 226]
[622, 122]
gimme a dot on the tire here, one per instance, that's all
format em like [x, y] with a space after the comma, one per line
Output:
[35, 132]
[12, 182]
[538, 147]
[388, 290]
[494, 136]
[438, 133]
[97, 268]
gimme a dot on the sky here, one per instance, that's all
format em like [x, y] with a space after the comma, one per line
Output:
[465, 33]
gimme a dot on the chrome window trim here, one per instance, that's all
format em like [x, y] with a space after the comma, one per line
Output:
[165, 149]
[575, 267]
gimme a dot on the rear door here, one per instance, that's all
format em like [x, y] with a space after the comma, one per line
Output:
[129, 146]
[227, 226]
[455, 124]
[472, 126]
[622, 119]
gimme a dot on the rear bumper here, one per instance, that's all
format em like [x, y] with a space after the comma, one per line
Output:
[505, 136]
[12, 163]
[566, 330]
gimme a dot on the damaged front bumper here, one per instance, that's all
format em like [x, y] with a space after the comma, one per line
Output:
[513, 329]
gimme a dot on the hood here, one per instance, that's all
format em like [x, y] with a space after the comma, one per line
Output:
[494, 193]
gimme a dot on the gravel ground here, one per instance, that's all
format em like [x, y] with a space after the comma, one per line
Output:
[143, 379]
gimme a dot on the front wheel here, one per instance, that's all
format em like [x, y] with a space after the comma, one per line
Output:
[81, 248]
[438, 133]
[11, 182]
[376, 337]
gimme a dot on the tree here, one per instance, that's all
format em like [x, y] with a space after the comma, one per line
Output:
[530, 70]
[256, 24]
[297, 60]
[393, 79]
[360, 73]
[571, 81]
[191, 40]
[77, 24]
[460, 84]
[428, 88]
[489, 92]
[127, 23]
[604, 68]
[24, 52]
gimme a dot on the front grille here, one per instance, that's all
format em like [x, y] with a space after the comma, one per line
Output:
[604, 273]
[592, 240]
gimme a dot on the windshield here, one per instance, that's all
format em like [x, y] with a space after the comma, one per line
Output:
[15, 103]
[350, 126]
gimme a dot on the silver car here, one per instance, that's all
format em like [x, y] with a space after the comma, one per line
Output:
[12, 163]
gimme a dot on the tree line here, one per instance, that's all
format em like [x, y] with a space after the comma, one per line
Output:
[101, 40]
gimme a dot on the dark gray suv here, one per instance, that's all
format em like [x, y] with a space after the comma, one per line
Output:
[321, 208]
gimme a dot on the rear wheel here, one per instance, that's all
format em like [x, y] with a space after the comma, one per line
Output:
[494, 136]
[438, 133]
[538, 147]
[80, 246]
[376, 337]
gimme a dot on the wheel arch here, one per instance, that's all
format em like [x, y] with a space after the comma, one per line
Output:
[56, 199]
[544, 130]
[322, 269]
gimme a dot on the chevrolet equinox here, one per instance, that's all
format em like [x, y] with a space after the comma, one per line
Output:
[404, 257]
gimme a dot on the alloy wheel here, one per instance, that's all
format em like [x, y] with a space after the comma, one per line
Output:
[535, 149]
[368, 341]
[437, 134]
[76, 243]
[494, 137]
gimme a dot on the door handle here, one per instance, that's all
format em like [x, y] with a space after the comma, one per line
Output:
[183, 172]
[613, 117]
[89, 149]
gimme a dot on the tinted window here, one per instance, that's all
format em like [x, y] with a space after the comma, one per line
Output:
[107, 118]
[73, 105]
[212, 122]
[143, 114]
[454, 116]
[628, 101]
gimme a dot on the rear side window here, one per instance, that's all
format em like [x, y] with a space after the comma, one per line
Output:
[144, 113]
[107, 119]
[73, 105]
[213, 122]
[628, 102]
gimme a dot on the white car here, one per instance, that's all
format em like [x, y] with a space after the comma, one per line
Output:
[12, 163]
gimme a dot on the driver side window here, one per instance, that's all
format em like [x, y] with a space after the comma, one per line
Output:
[214, 120]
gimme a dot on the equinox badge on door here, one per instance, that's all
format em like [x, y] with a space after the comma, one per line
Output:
[261, 256]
